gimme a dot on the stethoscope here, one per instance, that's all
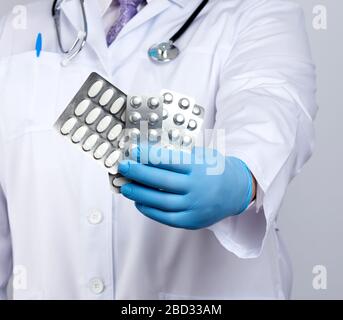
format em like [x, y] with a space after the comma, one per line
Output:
[161, 52]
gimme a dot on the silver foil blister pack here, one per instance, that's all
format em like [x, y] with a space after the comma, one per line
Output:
[182, 120]
[93, 121]
[105, 123]
[143, 123]
[144, 118]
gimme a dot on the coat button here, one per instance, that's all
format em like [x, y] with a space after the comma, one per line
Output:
[96, 285]
[95, 217]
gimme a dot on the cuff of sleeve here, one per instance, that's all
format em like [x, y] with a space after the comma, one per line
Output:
[244, 235]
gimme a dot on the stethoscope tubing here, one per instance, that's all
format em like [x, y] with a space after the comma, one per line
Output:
[80, 42]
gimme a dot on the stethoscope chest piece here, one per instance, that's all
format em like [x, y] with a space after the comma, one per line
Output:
[163, 52]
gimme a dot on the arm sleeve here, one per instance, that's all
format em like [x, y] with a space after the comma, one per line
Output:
[5, 238]
[266, 104]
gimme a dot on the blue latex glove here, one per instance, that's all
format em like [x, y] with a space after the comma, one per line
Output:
[196, 192]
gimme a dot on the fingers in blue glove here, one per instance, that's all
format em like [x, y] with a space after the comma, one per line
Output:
[155, 177]
[164, 158]
[180, 219]
[154, 198]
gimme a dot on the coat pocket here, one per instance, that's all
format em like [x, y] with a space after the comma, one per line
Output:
[30, 87]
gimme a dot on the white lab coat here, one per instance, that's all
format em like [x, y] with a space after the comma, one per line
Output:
[247, 62]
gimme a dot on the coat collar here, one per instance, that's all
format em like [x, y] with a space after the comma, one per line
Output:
[96, 35]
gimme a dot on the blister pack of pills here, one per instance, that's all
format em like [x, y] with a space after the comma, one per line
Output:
[105, 123]
[143, 125]
[144, 118]
[93, 121]
[182, 120]
[181, 123]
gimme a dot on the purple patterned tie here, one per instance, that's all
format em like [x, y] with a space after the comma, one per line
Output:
[128, 9]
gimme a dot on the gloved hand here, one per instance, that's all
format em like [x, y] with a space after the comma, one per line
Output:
[196, 192]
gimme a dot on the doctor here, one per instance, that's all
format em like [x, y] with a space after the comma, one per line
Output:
[63, 233]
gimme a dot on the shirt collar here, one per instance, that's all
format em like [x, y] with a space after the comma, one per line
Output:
[105, 4]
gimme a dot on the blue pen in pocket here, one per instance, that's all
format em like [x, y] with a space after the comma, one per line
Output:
[38, 44]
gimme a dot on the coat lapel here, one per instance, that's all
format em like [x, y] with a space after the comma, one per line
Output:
[96, 39]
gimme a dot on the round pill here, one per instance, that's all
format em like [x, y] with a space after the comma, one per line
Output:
[165, 113]
[179, 119]
[95, 88]
[90, 142]
[112, 158]
[153, 103]
[168, 97]
[115, 132]
[184, 103]
[153, 135]
[192, 124]
[196, 110]
[136, 101]
[135, 117]
[186, 141]
[106, 97]
[79, 134]
[104, 123]
[82, 107]
[68, 126]
[117, 105]
[153, 118]
[174, 135]
[134, 133]
[119, 182]
[101, 150]
[93, 115]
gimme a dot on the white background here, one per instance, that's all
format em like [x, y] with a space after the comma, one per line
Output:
[311, 218]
